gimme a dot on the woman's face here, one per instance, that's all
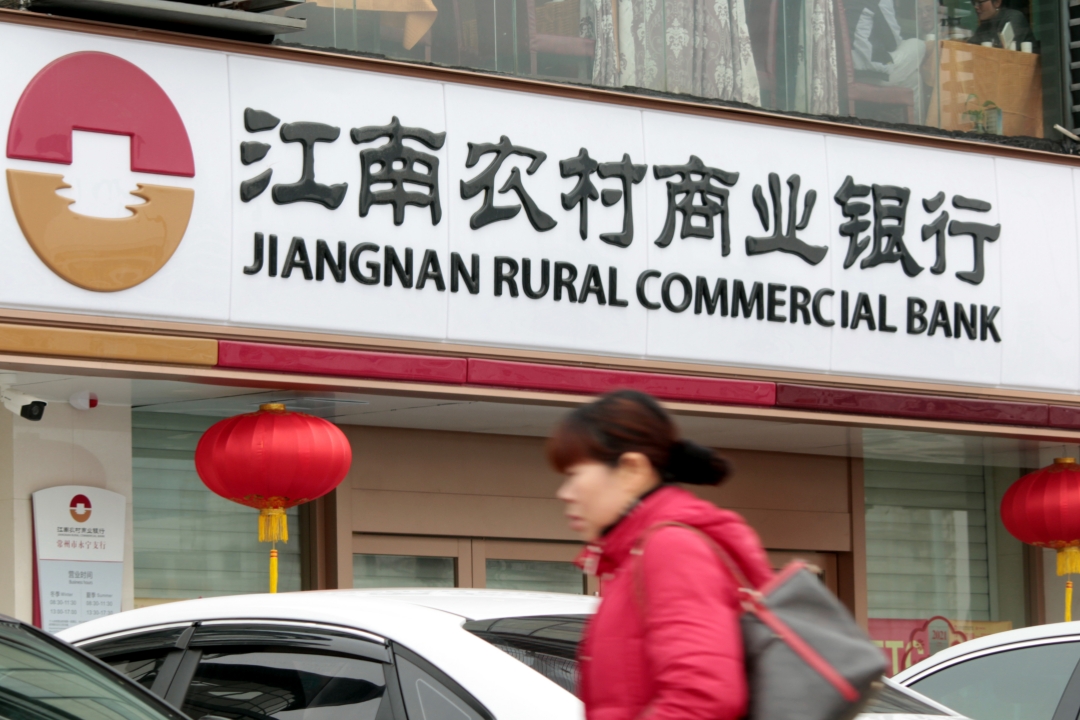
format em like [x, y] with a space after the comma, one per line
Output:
[595, 495]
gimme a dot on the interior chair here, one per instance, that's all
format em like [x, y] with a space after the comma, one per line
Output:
[565, 45]
[858, 90]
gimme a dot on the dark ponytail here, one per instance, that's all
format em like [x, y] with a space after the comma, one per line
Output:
[694, 464]
[630, 421]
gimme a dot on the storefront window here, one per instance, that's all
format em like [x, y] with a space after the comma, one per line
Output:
[390, 571]
[188, 541]
[940, 570]
[990, 67]
[563, 577]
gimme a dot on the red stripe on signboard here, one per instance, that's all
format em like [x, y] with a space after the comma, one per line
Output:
[592, 381]
[344, 363]
[929, 407]
[1063, 416]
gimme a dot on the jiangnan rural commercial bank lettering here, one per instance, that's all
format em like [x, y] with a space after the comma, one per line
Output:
[400, 175]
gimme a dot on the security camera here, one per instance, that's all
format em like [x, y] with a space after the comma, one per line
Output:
[23, 405]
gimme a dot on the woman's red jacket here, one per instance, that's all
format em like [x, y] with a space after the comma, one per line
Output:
[665, 643]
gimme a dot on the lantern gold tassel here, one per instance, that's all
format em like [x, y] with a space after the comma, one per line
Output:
[273, 525]
[1068, 560]
[273, 571]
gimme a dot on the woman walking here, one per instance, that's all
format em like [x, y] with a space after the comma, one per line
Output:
[665, 643]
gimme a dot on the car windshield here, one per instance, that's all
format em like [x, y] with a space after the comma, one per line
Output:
[548, 644]
[41, 679]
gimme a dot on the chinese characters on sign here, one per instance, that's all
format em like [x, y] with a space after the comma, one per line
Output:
[698, 204]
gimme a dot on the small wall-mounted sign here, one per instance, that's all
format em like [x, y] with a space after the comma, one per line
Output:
[79, 554]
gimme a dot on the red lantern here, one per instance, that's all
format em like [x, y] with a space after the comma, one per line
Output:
[1043, 509]
[272, 460]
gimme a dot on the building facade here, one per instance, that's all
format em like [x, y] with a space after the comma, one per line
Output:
[441, 227]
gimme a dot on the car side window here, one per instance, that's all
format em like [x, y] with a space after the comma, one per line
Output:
[143, 668]
[251, 683]
[142, 657]
[1021, 684]
[429, 698]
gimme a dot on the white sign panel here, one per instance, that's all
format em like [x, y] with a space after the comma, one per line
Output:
[294, 196]
[79, 547]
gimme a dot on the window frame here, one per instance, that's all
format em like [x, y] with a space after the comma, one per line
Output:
[458, 549]
[470, 554]
[535, 550]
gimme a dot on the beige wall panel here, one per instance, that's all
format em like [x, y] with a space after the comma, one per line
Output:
[783, 481]
[473, 463]
[380, 511]
[447, 462]
[412, 513]
[793, 530]
[421, 482]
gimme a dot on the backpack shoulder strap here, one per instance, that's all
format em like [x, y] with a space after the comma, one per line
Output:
[742, 585]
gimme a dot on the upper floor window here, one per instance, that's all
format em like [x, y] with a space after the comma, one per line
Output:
[984, 66]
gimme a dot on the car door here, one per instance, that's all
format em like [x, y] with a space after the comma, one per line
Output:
[1037, 680]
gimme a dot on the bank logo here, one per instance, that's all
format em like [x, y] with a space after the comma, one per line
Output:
[98, 92]
[80, 508]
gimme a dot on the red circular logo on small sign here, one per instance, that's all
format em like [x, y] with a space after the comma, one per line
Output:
[80, 508]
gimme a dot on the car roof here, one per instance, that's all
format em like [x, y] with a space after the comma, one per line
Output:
[988, 642]
[385, 612]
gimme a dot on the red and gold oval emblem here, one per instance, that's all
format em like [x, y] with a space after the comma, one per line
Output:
[98, 92]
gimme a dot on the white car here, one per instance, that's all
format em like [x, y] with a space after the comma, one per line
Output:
[371, 655]
[1029, 674]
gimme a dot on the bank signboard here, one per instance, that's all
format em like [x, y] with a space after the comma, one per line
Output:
[297, 196]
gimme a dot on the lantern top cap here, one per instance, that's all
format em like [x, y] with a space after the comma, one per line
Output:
[280, 408]
[1064, 461]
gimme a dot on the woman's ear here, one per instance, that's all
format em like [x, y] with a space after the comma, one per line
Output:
[637, 472]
